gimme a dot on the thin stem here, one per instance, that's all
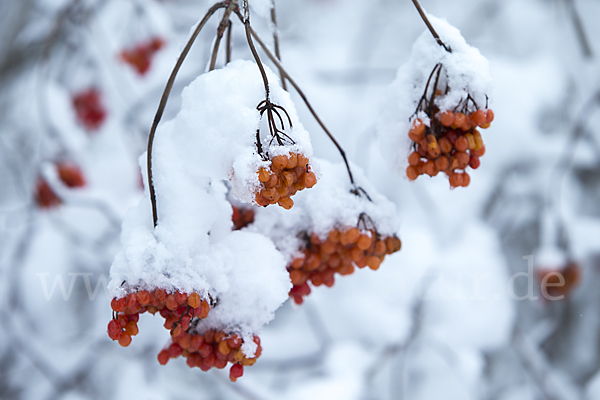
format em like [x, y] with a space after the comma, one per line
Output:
[429, 26]
[581, 35]
[220, 31]
[303, 96]
[228, 57]
[165, 98]
[276, 42]
[246, 21]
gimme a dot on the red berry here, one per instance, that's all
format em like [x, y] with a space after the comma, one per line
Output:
[236, 371]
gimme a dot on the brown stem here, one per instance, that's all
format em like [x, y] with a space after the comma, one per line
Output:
[228, 57]
[246, 20]
[165, 98]
[303, 96]
[220, 31]
[276, 42]
[429, 26]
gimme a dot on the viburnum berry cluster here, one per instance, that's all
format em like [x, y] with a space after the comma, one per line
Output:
[89, 109]
[440, 100]
[211, 349]
[177, 308]
[447, 141]
[69, 174]
[140, 56]
[241, 217]
[287, 175]
[339, 252]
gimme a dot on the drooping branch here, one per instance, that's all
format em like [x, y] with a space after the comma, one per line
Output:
[223, 25]
[303, 96]
[165, 98]
[429, 26]
[276, 41]
[246, 21]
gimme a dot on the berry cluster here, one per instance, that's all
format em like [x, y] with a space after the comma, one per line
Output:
[242, 217]
[211, 349]
[340, 252]
[89, 109]
[450, 144]
[69, 174]
[286, 176]
[176, 308]
[140, 56]
[551, 282]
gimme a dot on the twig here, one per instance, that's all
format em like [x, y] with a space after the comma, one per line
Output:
[579, 29]
[246, 21]
[228, 56]
[276, 42]
[430, 27]
[224, 24]
[304, 98]
[165, 98]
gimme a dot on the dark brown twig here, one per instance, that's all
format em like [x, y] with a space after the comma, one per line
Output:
[246, 21]
[430, 27]
[276, 42]
[165, 98]
[303, 96]
[228, 56]
[223, 25]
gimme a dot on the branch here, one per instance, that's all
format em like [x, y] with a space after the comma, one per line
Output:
[430, 27]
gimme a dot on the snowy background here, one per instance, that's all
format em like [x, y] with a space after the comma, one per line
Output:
[446, 317]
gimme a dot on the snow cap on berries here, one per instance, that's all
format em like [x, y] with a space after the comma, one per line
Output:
[329, 205]
[215, 131]
[465, 72]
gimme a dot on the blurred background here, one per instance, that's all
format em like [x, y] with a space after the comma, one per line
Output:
[460, 312]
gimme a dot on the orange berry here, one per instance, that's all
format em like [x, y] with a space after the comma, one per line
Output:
[286, 203]
[432, 146]
[414, 158]
[302, 161]
[349, 236]
[430, 168]
[479, 117]
[131, 328]
[125, 340]
[471, 140]
[118, 305]
[463, 159]
[442, 163]
[489, 117]
[364, 242]
[194, 300]
[163, 357]
[466, 180]
[412, 173]
[478, 152]
[278, 163]
[461, 144]
[445, 145]
[459, 120]
[310, 180]
[446, 118]
[374, 262]
[263, 175]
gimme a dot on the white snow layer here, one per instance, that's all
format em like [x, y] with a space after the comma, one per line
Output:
[328, 205]
[193, 247]
[465, 72]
